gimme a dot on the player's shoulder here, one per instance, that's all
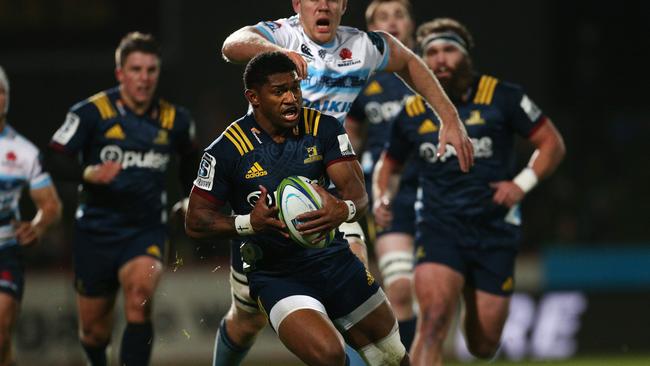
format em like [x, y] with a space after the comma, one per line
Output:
[313, 122]
[414, 106]
[20, 142]
[99, 105]
[235, 141]
[490, 89]
[173, 116]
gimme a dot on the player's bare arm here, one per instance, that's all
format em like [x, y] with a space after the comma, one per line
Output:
[205, 221]
[419, 77]
[385, 184]
[347, 176]
[103, 173]
[549, 152]
[247, 42]
[48, 213]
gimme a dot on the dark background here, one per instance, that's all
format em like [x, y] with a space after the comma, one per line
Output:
[583, 64]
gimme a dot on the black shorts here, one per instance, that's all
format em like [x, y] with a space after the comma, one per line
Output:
[12, 271]
[490, 268]
[98, 260]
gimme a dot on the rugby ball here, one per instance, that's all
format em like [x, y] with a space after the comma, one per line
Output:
[294, 196]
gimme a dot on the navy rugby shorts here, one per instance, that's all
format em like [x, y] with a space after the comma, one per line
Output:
[340, 282]
[487, 268]
[97, 259]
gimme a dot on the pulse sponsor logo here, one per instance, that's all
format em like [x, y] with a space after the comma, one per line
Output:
[134, 159]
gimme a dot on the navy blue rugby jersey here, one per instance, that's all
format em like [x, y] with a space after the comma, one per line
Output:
[377, 106]
[103, 128]
[244, 157]
[454, 201]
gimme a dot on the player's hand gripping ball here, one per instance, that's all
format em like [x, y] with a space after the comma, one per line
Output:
[295, 196]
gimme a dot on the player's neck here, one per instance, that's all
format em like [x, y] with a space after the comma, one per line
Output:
[137, 108]
[278, 135]
[3, 123]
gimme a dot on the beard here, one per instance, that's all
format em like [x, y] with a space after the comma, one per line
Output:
[461, 78]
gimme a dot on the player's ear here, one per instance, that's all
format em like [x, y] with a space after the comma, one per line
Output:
[252, 97]
[118, 74]
[296, 6]
[344, 6]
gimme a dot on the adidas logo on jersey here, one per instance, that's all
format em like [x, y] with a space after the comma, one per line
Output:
[373, 88]
[475, 118]
[256, 171]
[427, 127]
[115, 133]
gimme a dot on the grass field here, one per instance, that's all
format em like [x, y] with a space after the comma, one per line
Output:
[582, 361]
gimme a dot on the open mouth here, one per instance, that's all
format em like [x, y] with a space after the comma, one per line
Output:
[323, 25]
[291, 113]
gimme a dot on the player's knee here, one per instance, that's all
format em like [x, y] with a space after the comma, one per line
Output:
[483, 348]
[248, 324]
[434, 322]
[400, 294]
[397, 273]
[327, 353]
[93, 335]
[138, 302]
[388, 351]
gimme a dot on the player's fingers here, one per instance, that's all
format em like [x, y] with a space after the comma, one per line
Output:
[442, 147]
[470, 146]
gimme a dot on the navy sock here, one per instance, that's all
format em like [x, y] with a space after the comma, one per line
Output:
[226, 352]
[96, 354]
[407, 331]
[137, 341]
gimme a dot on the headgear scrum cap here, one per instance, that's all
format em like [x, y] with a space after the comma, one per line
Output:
[4, 83]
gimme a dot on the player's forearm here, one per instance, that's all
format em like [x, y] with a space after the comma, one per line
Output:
[204, 223]
[550, 150]
[385, 179]
[48, 214]
[244, 44]
[547, 157]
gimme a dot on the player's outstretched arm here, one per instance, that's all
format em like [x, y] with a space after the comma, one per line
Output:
[246, 43]
[418, 76]
[385, 184]
[549, 152]
[48, 213]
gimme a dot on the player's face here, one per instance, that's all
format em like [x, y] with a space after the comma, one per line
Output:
[320, 18]
[138, 77]
[392, 17]
[280, 99]
[444, 60]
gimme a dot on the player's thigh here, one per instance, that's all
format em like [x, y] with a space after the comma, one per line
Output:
[353, 233]
[141, 275]
[310, 335]
[376, 326]
[485, 315]
[437, 288]
[394, 252]
[8, 312]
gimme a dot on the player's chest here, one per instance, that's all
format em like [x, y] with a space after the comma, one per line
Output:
[14, 162]
[133, 134]
[269, 163]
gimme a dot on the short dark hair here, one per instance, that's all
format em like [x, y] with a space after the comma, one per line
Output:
[439, 25]
[135, 42]
[371, 10]
[264, 64]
